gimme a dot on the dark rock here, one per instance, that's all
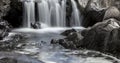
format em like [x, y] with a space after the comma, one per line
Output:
[67, 32]
[112, 12]
[71, 41]
[36, 25]
[15, 13]
[93, 16]
[95, 38]
[94, 11]
[4, 29]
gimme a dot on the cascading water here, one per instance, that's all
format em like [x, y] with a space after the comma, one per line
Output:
[51, 13]
[29, 13]
[75, 19]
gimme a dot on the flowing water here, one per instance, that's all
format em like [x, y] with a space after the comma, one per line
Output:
[50, 12]
[29, 13]
[38, 46]
[51, 15]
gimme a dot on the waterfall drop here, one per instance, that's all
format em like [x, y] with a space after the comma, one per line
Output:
[51, 13]
[29, 13]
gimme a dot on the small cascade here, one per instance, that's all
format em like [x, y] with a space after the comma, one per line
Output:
[50, 12]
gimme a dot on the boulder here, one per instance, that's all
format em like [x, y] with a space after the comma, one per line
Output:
[67, 32]
[12, 41]
[112, 12]
[98, 36]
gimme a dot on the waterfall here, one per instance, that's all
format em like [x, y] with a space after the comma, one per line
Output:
[50, 12]
[29, 13]
[75, 19]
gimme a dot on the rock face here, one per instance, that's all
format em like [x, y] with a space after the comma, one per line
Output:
[94, 10]
[71, 41]
[4, 7]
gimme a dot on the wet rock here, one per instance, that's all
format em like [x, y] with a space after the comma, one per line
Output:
[95, 38]
[11, 42]
[71, 41]
[94, 11]
[93, 16]
[36, 25]
[4, 29]
[67, 32]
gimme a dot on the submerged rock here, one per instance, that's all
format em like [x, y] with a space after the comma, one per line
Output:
[36, 25]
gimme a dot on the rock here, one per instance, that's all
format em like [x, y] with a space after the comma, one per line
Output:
[94, 11]
[91, 17]
[4, 29]
[112, 12]
[36, 25]
[67, 32]
[15, 13]
[95, 37]
[112, 42]
[71, 41]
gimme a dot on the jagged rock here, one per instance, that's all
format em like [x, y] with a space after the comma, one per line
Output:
[94, 11]
[36, 25]
[12, 41]
[71, 41]
[93, 16]
[95, 37]
[4, 7]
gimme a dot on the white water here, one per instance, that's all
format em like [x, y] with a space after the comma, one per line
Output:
[29, 13]
[75, 18]
[51, 13]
